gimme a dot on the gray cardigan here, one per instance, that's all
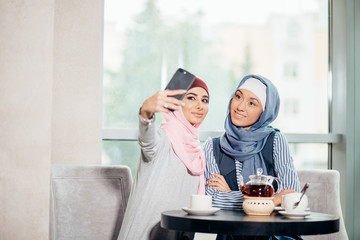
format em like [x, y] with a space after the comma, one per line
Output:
[161, 183]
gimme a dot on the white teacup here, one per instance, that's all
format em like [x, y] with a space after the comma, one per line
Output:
[200, 202]
[288, 201]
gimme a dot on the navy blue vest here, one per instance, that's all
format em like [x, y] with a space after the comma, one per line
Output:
[227, 165]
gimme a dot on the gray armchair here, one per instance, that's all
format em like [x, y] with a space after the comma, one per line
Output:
[88, 201]
[324, 197]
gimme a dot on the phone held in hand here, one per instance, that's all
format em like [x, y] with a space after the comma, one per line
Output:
[181, 79]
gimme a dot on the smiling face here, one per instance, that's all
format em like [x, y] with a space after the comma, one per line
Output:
[196, 105]
[245, 108]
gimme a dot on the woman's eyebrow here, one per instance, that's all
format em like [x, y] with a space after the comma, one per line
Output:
[190, 93]
[255, 99]
[252, 98]
[194, 94]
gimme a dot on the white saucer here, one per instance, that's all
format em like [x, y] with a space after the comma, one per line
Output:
[295, 215]
[279, 208]
[201, 212]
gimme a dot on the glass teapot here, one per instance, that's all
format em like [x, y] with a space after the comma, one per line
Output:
[259, 185]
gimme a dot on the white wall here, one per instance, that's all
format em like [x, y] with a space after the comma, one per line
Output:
[50, 103]
[77, 77]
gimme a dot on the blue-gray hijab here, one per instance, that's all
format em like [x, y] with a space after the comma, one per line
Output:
[245, 145]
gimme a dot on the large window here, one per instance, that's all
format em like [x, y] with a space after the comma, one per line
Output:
[145, 41]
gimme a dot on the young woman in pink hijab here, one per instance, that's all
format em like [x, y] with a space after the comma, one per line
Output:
[172, 163]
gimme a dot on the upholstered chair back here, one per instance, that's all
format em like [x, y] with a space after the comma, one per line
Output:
[324, 197]
[88, 201]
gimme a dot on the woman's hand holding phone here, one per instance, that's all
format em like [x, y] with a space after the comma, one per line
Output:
[161, 101]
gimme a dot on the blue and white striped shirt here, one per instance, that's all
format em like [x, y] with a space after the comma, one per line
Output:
[283, 165]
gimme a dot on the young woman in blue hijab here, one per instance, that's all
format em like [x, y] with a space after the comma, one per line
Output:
[253, 106]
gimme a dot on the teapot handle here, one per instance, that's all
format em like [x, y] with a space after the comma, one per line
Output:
[278, 184]
[241, 180]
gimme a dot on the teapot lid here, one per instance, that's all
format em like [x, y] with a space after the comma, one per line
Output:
[259, 177]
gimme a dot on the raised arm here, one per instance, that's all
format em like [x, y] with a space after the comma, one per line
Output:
[161, 101]
[148, 137]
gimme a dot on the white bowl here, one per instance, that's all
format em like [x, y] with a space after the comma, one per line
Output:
[258, 205]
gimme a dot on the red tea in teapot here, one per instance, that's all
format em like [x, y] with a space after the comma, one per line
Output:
[259, 185]
[262, 190]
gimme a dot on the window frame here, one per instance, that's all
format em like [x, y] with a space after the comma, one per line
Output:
[131, 135]
[332, 138]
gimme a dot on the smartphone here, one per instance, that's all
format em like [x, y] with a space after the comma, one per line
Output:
[181, 79]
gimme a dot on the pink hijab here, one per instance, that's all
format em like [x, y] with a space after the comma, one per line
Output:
[186, 145]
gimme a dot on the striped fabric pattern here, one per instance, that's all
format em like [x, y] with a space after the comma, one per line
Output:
[233, 200]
